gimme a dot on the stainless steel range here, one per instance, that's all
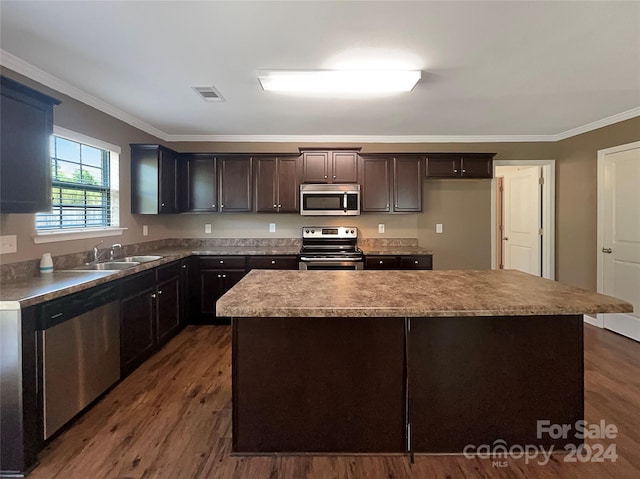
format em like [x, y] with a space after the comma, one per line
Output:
[330, 247]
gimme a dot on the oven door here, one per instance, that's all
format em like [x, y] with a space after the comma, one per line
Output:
[336, 265]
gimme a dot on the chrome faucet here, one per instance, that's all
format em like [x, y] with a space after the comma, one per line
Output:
[96, 252]
[112, 251]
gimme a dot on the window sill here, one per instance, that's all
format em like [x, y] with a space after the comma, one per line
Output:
[68, 235]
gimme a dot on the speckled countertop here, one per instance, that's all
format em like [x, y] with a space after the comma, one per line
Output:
[46, 287]
[395, 250]
[269, 293]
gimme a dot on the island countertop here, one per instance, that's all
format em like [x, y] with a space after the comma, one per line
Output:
[271, 293]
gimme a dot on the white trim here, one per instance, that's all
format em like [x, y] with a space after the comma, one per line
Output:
[30, 71]
[87, 140]
[598, 321]
[67, 235]
[548, 168]
[365, 138]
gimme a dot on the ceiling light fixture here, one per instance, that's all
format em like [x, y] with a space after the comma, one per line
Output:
[339, 81]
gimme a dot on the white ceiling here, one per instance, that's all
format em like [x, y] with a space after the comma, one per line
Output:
[490, 69]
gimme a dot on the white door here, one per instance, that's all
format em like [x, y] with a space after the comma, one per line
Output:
[522, 207]
[619, 221]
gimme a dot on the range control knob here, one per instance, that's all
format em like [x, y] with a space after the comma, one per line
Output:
[306, 231]
[313, 231]
[352, 231]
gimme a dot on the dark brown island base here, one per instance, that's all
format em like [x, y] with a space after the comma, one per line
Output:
[405, 361]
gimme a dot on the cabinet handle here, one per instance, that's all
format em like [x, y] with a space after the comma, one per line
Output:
[279, 206]
[275, 206]
[464, 171]
[273, 261]
[184, 266]
[153, 296]
[334, 177]
[221, 261]
[455, 171]
[219, 276]
[162, 205]
[416, 262]
[213, 206]
[57, 315]
[159, 292]
[224, 275]
[325, 177]
[380, 262]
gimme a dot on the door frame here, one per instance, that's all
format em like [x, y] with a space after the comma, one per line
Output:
[599, 320]
[548, 168]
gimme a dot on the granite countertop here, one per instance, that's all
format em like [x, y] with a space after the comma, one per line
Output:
[395, 250]
[270, 293]
[38, 289]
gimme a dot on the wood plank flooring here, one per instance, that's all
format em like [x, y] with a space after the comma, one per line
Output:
[171, 419]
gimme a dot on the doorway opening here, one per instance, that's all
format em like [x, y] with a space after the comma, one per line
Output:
[523, 216]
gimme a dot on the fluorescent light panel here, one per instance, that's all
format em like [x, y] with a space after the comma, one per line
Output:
[339, 81]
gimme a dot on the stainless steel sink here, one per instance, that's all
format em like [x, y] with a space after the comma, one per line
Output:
[142, 259]
[109, 266]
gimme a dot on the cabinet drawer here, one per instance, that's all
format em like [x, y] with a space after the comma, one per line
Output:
[223, 262]
[139, 282]
[381, 262]
[168, 271]
[273, 262]
[416, 262]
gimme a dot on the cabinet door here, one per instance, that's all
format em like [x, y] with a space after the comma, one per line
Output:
[315, 167]
[235, 184]
[344, 167]
[168, 177]
[288, 185]
[200, 192]
[168, 296]
[476, 167]
[374, 175]
[213, 284]
[25, 161]
[186, 290]
[137, 336]
[443, 166]
[266, 184]
[407, 184]
[381, 262]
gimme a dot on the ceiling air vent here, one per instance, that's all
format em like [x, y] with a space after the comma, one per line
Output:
[208, 93]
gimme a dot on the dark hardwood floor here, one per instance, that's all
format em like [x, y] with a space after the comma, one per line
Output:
[171, 419]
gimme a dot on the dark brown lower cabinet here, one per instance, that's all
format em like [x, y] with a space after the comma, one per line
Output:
[318, 385]
[215, 276]
[422, 261]
[137, 318]
[475, 380]
[168, 301]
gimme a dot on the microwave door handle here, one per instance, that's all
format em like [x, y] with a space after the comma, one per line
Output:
[344, 202]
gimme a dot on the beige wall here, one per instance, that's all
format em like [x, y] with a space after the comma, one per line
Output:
[462, 206]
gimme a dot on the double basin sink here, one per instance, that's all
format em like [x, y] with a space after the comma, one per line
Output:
[117, 265]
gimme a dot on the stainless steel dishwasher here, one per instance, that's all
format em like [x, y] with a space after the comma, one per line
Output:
[79, 340]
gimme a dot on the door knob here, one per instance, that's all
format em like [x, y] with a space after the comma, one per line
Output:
[607, 250]
[505, 238]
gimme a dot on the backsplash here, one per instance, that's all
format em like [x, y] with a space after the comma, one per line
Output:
[31, 268]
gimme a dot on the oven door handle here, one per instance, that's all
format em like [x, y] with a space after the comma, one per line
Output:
[344, 201]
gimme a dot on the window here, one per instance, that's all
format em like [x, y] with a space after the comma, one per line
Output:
[84, 185]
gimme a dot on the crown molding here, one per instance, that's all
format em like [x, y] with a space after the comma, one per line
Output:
[34, 73]
[363, 138]
[610, 120]
[28, 70]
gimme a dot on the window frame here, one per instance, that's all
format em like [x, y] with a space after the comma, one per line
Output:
[64, 234]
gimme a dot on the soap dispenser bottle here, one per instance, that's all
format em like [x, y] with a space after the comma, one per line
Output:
[46, 264]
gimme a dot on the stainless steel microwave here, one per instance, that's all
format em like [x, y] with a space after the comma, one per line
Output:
[329, 200]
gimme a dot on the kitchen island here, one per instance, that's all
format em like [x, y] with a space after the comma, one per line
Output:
[405, 361]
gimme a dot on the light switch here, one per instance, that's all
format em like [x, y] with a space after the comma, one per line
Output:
[438, 228]
[272, 227]
[145, 230]
[207, 228]
[381, 228]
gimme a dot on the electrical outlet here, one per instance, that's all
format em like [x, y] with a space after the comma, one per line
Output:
[207, 228]
[8, 244]
[438, 228]
[272, 227]
[145, 230]
[381, 228]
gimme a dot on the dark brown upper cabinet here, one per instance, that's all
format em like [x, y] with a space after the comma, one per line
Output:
[277, 184]
[199, 192]
[391, 184]
[407, 184]
[329, 166]
[460, 165]
[154, 180]
[25, 162]
[235, 183]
